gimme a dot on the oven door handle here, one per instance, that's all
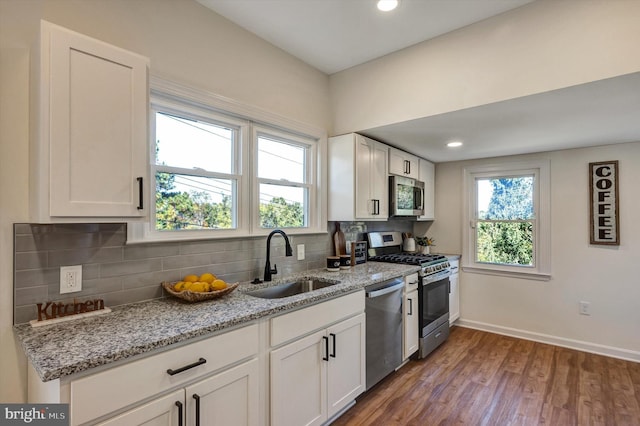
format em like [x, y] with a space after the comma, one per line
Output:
[385, 290]
[436, 277]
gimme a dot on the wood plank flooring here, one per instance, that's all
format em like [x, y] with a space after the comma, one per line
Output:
[480, 378]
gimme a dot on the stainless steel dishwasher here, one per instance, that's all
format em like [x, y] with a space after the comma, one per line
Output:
[383, 309]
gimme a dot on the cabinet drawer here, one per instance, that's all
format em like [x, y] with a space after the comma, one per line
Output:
[101, 393]
[304, 321]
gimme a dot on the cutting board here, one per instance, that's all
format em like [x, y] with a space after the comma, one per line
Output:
[339, 242]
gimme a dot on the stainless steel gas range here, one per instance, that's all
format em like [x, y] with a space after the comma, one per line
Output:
[433, 291]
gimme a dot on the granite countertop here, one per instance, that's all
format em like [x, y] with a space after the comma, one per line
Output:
[72, 347]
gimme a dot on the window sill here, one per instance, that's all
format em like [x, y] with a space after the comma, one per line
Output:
[137, 234]
[538, 276]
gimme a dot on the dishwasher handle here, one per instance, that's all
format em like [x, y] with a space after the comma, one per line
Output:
[385, 290]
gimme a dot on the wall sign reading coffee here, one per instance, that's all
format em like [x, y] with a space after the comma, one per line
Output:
[603, 189]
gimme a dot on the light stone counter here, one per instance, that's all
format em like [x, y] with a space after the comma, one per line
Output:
[72, 347]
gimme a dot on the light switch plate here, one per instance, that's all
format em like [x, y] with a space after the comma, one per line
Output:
[300, 251]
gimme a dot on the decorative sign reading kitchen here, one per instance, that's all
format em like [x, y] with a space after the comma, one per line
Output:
[52, 312]
[603, 188]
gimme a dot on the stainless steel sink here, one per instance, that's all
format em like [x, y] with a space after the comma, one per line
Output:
[291, 288]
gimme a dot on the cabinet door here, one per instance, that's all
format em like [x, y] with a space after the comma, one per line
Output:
[403, 164]
[346, 370]
[427, 175]
[162, 411]
[380, 180]
[97, 130]
[298, 382]
[365, 204]
[454, 298]
[228, 398]
[411, 324]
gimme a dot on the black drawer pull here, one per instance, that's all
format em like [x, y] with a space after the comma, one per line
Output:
[186, 367]
[326, 348]
[333, 351]
[197, 398]
[179, 405]
[410, 306]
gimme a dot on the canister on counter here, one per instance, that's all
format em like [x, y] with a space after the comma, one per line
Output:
[333, 263]
[345, 261]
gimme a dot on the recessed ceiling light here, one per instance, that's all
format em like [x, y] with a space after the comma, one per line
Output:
[454, 144]
[387, 5]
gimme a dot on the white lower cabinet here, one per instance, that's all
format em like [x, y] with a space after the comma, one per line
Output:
[454, 295]
[160, 412]
[197, 368]
[316, 376]
[300, 368]
[228, 398]
[411, 316]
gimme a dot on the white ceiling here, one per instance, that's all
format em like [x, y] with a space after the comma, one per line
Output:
[333, 35]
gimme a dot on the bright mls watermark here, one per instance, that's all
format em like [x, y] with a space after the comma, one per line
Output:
[34, 414]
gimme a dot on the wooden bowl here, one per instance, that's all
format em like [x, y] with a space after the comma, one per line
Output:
[191, 296]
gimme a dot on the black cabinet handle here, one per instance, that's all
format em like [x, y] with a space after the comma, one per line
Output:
[410, 306]
[333, 351]
[179, 405]
[186, 367]
[140, 193]
[408, 167]
[376, 207]
[197, 398]
[326, 348]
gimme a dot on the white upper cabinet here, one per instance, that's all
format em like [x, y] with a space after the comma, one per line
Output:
[90, 145]
[403, 164]
[358, 178]
[428, 175]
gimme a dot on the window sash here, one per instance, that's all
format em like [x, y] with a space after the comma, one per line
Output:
[309, 172]
[540, 232]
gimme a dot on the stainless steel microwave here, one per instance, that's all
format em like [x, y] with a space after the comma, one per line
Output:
[406, 196]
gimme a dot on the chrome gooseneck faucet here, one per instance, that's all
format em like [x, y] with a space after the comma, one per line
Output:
[289, 252]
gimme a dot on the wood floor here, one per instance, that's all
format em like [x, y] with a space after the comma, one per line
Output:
[479, 378]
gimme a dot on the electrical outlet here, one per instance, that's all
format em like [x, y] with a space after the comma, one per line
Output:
[300, 251]
[70, 279]
[585, 308]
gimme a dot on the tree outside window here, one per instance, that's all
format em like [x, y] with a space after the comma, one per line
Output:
[505, 226]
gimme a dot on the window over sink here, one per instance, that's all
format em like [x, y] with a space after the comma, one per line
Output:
[219, 169]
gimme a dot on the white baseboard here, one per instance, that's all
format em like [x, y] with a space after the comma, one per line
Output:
[579, 345]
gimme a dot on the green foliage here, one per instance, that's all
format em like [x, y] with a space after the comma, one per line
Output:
[505, 236]
[509, 243]
[188, 210]
[280, 214]
[177, 210]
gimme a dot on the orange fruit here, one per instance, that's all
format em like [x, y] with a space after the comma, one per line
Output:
[218, 285]
[179, 286]
[207, 278]
[190, 278]
[197, 287]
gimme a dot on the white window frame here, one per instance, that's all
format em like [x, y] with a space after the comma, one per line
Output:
[183, 98]
[540, 169]
[172, 107]
[311, 150]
